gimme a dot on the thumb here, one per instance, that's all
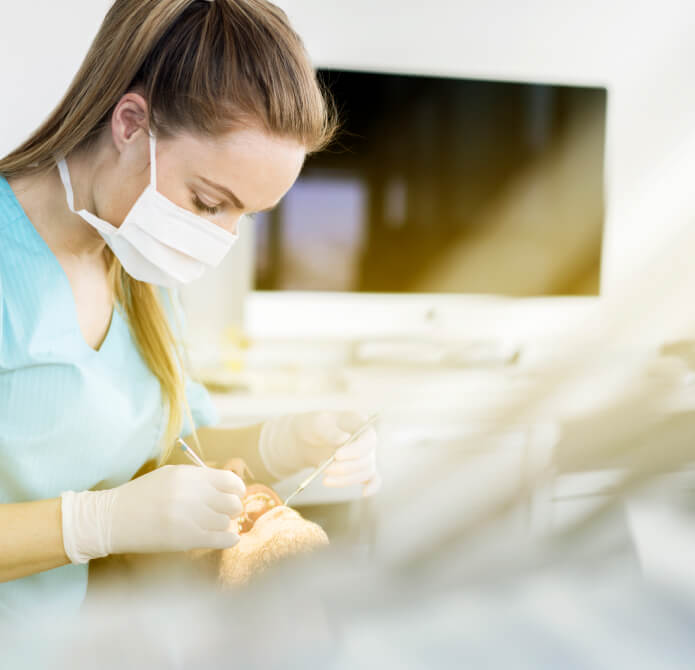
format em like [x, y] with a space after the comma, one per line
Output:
[351, 421]
[225, 481]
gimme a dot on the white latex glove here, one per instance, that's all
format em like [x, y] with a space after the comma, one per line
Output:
[172, 508]
[291, 443]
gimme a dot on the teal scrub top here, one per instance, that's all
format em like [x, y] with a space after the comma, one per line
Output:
[71, 417]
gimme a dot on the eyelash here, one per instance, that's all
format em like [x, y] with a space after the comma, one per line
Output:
[202, 207]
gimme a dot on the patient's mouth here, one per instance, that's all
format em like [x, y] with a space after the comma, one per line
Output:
[258, 500]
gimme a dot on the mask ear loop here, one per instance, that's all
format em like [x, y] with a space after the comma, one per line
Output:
[64, 173]
[153, 161]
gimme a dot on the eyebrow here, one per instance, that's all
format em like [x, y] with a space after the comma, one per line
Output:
[231, 196]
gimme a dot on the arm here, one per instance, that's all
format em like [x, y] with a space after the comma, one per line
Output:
[32, 538]
[221, 444]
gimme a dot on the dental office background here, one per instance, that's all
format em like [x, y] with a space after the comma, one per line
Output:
[462, 248]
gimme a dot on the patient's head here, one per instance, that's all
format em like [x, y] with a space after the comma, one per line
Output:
[277, 533]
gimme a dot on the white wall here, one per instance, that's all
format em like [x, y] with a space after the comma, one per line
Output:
[42, 44]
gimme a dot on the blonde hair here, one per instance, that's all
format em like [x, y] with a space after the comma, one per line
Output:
[204, 67]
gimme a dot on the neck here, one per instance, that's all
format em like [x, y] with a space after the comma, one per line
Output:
[43, 199]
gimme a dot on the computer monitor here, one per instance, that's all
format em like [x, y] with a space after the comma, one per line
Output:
[445, 185]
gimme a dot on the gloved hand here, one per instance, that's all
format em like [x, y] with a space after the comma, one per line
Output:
[291, 443]
[172, 508]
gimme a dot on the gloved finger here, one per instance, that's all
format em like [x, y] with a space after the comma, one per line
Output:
[222, 540]
[362, 446]
[339, 468]
[357, 477]
[351, 421]
[372, 486]
[347, 480]
[225, 503]
[325, 430]
[208, 519]
[225, 481]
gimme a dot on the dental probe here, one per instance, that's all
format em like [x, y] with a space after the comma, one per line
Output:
[330, 460]
[190, 453]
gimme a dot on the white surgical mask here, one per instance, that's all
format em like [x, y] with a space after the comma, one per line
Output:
[158, 242]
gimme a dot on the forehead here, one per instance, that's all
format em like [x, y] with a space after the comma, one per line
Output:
[257, 167]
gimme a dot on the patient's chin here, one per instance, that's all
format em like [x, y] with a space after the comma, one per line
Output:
[282, 512]
[277, 534]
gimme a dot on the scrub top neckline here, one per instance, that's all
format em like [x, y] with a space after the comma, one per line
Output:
[66, 282]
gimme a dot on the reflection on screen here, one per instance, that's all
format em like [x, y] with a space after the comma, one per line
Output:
[445, 185]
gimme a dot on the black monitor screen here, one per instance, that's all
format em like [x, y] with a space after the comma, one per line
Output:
[445, 185]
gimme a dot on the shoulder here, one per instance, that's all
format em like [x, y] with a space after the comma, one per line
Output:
[18, 238]
[11, 215]
[25, 262]
[8, 217]
[10, 209]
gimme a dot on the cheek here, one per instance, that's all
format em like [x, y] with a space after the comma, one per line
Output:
[178, 194]
[182, 196]
[113, 206]
[172, 182]
[232, 227]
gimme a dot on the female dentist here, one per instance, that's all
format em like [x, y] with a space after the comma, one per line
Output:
[184, 116]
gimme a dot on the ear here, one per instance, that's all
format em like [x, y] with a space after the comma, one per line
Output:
[129, 116]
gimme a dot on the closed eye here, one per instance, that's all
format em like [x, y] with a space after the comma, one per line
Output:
[202, 207]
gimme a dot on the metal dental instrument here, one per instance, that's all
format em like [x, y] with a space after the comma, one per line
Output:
[190, 453]
[360, 431]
